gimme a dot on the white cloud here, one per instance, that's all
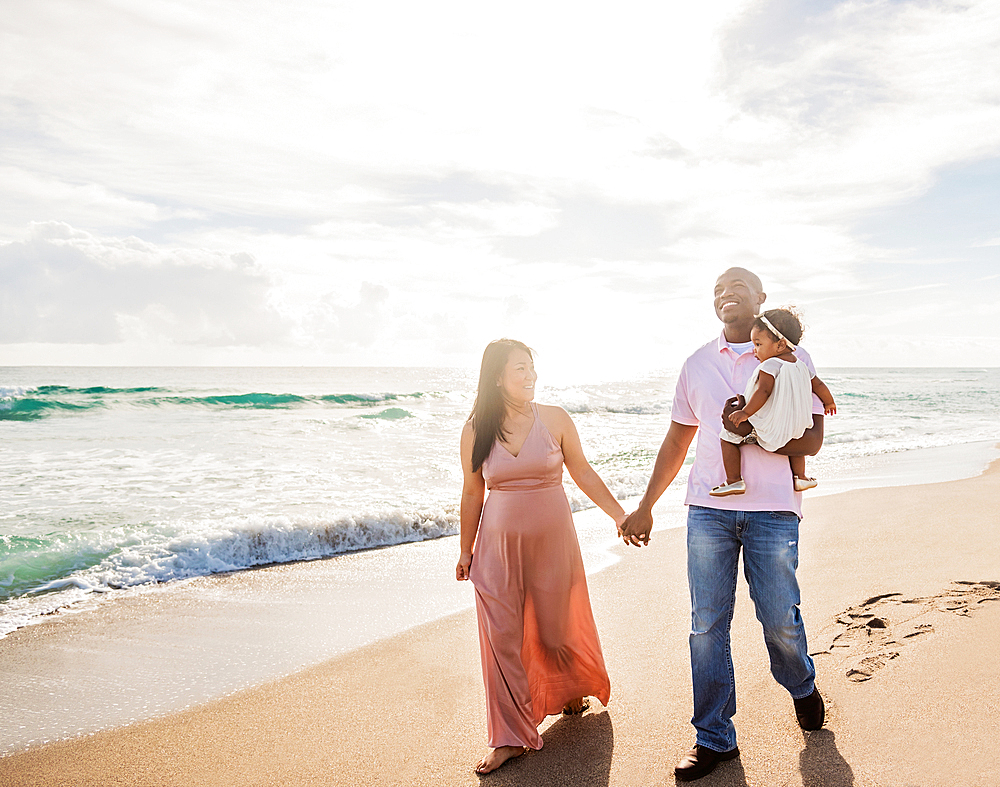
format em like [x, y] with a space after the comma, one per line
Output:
[66, 285]
[414, 179]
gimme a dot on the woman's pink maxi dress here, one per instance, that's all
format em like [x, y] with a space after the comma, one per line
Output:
[536, 631]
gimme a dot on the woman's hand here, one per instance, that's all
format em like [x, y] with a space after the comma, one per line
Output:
[619, 521]
[464, 564]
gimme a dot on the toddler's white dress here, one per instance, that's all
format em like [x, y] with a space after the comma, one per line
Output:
[787, 413]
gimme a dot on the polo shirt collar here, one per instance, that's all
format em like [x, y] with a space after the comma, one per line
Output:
[723, 345]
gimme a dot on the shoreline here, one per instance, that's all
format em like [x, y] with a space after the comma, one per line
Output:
[165, 650]
[351, 720]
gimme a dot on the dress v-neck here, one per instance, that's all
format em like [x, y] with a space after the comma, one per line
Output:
[527, 437]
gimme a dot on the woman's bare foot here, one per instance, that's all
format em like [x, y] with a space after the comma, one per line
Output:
[498, 757]
[576, 707]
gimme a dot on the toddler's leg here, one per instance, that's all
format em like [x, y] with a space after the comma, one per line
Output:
[799, 478]
[732, 462]
[734, 474]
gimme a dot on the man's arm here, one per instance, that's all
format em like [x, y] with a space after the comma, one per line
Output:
[807, 445]
[637, 526]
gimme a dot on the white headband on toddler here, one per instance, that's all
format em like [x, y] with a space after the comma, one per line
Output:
[775, 331]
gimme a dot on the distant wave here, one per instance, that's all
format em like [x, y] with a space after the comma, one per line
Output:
[25, 404]
[264, 401]
[38, 576]
[255, 401]
[30, 409]
[95, 389]
[578, 408]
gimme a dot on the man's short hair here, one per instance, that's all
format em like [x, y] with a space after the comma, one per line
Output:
[752, 278]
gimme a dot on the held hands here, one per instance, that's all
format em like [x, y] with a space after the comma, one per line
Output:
[737, 417]
[636, 528]
[464, 564]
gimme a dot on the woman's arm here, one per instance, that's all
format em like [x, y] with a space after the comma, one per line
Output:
[761, 393]
[579, 468]
[473, 496]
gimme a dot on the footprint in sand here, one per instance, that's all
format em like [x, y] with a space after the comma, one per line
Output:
[869, 665]
[868, 636]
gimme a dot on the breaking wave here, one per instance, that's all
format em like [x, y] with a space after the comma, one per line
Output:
[40, 575]
[27, 404]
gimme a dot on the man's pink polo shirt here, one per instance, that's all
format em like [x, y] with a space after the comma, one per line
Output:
[713, 374]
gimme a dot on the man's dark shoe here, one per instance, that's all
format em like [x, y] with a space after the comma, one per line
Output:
[810, 711]
[701, 761]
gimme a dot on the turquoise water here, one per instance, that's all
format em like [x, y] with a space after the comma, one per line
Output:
[114, 478]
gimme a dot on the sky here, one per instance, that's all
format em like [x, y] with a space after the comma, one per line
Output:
[389, 182]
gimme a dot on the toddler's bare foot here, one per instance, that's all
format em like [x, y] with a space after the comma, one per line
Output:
[498, 757]
[576, 707]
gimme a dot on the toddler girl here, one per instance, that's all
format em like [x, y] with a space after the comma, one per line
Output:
[778, 400]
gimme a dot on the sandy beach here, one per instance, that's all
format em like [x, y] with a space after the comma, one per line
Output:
[897, 585]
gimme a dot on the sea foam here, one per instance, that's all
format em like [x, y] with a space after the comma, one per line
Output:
[184, 550]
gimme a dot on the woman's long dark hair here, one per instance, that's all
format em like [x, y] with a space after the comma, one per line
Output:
[489, 409]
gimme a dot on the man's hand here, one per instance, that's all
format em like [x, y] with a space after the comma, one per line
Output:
[636, 528]
[732, 405]
[737, 417]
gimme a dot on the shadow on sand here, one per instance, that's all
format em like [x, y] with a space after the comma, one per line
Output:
[821, 764]
[577, 751]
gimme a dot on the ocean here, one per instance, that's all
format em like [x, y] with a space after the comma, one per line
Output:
[116, 479]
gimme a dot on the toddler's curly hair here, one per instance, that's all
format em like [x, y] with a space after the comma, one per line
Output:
[786, 320]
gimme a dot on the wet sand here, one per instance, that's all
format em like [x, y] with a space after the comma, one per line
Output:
[903, 652]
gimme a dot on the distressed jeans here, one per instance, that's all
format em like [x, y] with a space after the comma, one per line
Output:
[770, 544]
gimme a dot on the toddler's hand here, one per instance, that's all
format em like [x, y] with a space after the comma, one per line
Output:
[737, 417]
[830, 409]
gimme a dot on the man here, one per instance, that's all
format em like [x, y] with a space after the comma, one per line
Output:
[764, 523]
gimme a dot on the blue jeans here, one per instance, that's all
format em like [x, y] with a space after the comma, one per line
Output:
[770, 544]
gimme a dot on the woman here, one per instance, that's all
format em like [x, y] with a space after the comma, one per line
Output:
[539, 644]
